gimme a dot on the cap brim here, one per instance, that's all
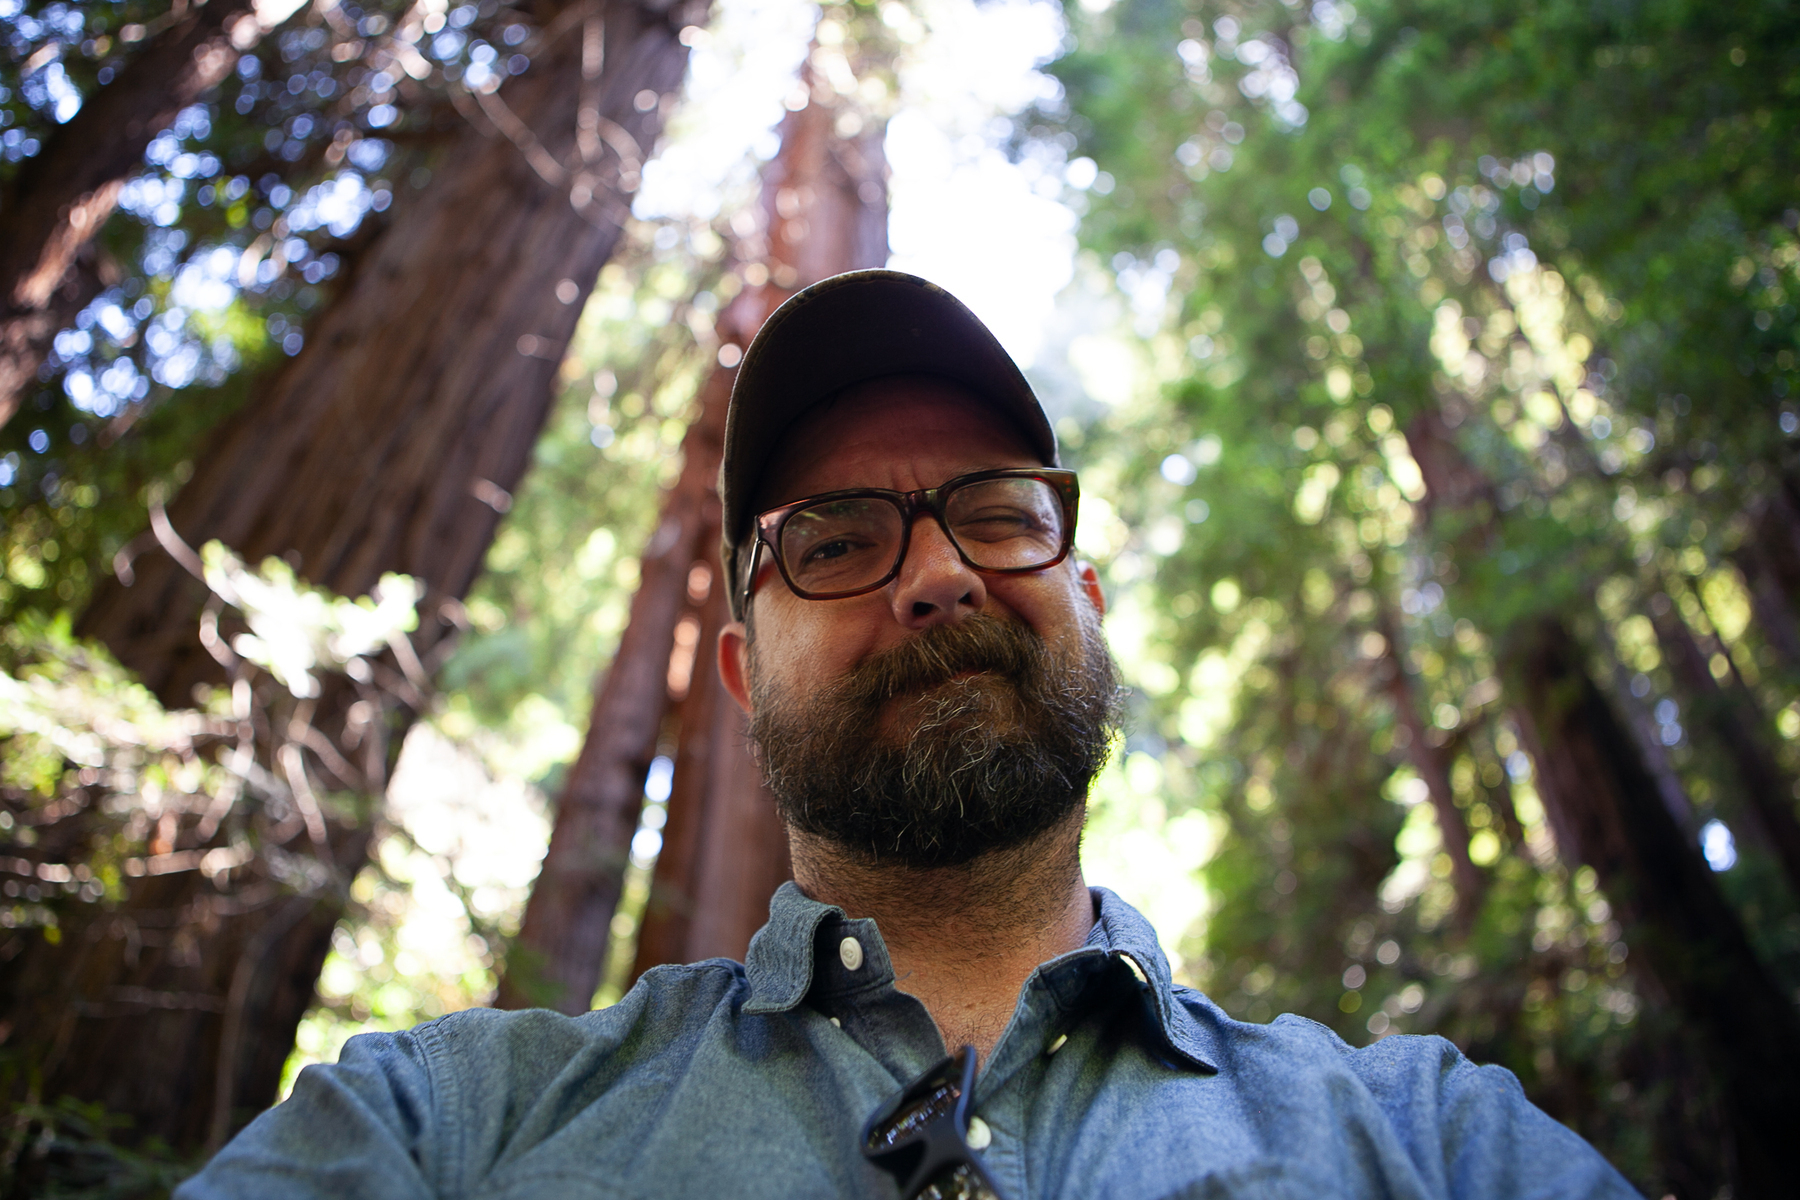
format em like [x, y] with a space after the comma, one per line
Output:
[843, 331]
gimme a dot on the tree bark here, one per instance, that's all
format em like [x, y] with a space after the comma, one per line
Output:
[1770, 561]
[1668, 903]
[410, 416]
[1607, 812]
[724, 851]
[390, 443]
[556, 960]
[1647, 736]
[824, 211]
[62, 196]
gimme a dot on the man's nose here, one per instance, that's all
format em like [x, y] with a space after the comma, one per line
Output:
[935, 586]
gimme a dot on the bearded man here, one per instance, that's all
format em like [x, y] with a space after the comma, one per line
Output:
[930, 698]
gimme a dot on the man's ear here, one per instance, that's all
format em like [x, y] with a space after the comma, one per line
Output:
[734, 663]
[1089, 579]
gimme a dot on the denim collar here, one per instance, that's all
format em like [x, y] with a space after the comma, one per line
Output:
[797, 954]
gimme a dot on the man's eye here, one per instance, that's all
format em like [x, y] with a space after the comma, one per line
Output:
[830, 547]
[994, 524]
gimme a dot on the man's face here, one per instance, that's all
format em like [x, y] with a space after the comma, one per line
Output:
[949, 712]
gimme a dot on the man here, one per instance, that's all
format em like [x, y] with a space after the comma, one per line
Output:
[930, 697]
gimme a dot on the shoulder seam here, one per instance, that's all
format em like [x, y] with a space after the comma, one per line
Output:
[432, 1048]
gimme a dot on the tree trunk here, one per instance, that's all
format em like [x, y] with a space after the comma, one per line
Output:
[62, 196]
[391, 443]
[824, 209]
[824, 201]
[411, 414]
[556, 960]
[1670, 907]
[1647, 735]
[724, 851]
[1608, 813]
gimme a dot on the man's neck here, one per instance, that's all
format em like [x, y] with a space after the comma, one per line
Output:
[963, 939]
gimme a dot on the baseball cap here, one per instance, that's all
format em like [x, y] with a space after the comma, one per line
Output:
[846, 330]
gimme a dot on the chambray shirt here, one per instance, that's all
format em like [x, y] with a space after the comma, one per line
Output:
[727, 1080]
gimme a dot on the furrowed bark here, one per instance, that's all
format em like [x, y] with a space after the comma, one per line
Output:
[62, 196]
[391, 443]
[824, 202]
[556, 960]
[410, 416]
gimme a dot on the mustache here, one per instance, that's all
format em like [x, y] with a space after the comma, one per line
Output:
[940, 653]
[974, 767]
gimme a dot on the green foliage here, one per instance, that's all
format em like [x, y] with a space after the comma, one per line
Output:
[1562, 234]
[91, 758]
[102, 789]
[294, 629]
[72, 720]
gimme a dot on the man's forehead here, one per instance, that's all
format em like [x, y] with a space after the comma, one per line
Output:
[890, 419]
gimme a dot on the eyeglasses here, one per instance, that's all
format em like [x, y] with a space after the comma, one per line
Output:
[846, 543]
[920, 1136]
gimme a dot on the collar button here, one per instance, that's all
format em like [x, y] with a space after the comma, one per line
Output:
[850, 953]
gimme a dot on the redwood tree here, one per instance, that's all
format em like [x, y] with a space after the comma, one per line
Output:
[390, 443]
[1609, 814]
[823, 211]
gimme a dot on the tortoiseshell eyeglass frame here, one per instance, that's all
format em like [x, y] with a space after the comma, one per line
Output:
[911, 505]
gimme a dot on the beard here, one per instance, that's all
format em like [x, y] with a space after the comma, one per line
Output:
[961, 740]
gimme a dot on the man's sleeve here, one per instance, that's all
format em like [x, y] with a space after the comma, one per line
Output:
[1478, 1128]
[362, 1127]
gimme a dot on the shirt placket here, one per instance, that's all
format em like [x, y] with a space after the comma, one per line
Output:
[1050, 1004]
[853, 985]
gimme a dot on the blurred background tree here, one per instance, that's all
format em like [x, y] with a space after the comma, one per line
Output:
[1476, 459]
[1431, 373]
[386, 434]
[821, 210]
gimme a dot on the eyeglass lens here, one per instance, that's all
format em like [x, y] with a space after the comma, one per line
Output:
[999, 524]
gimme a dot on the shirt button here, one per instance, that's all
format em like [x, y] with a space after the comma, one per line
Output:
[850, 953]
[979, 1135]
[1062, 1039]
